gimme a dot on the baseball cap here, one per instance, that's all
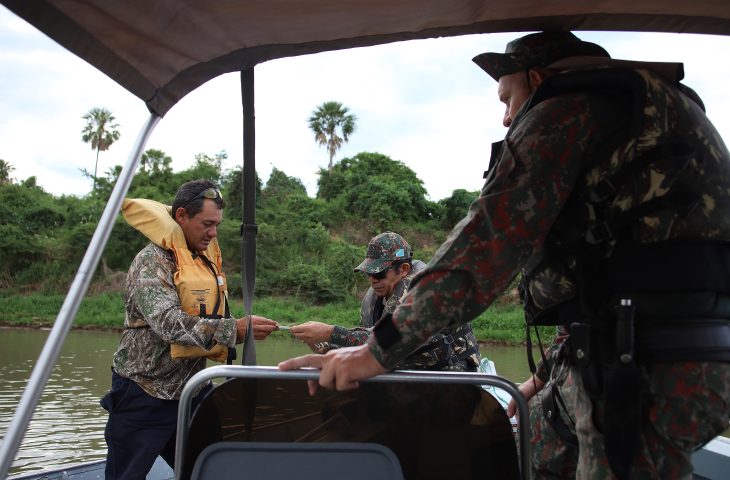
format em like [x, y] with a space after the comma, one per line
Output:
[383, 250]
[537, 50]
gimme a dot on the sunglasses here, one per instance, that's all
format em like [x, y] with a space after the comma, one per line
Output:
[209, 193]
[380, 275]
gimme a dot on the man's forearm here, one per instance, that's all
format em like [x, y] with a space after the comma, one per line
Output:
[349, 337]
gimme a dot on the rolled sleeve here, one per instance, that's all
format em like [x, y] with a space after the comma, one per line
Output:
[349, 337]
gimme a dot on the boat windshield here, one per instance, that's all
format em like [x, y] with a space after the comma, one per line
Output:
[436, 430]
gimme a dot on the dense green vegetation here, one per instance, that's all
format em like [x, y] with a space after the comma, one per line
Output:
[307, 247]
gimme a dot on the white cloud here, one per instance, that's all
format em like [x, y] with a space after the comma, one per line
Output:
[421, 102]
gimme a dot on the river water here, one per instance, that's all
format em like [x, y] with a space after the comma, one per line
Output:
[68, 424]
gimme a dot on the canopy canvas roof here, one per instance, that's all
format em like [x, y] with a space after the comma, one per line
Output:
[161, 50]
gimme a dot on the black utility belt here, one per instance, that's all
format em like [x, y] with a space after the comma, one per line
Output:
[691, 340]
[685, 340]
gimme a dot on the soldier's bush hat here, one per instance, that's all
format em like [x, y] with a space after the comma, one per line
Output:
[537, 50]
[383, 250]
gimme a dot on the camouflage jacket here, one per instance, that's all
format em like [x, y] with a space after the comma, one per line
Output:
[451, 349]
[555, 148]
[154, 319]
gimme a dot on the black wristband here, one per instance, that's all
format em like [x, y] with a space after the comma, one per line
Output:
[385, 332]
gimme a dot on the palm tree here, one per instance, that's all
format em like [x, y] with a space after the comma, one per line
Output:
[155, 162]
[325, 121]
[5, 170]
[100, 131]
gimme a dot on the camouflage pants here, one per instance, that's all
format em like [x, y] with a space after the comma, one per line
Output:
[551, 457]
[690, 406]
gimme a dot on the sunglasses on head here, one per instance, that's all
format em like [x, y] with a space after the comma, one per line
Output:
[209, 193]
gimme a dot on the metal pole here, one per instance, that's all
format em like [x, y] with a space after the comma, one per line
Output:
[52, 347]
[249, 228]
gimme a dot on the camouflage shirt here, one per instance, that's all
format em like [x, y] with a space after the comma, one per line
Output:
[447, 350]
[154, 319]
[562, 145]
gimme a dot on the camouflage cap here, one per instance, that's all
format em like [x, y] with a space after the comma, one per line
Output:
[537, 50]
[383, 250]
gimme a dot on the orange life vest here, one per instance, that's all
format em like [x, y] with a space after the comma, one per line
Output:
[199, 278]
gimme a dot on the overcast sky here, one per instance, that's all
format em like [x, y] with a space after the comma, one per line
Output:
[421, 102]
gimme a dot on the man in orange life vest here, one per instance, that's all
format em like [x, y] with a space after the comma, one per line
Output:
[177, 315]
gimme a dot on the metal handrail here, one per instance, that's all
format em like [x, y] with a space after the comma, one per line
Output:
[461, 378]
[48, 356]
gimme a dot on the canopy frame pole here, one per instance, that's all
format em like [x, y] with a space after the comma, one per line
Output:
[69, 309]
[249, 228]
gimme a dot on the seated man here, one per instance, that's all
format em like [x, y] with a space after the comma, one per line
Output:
[389, 267]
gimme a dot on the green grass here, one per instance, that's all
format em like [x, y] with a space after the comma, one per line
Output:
[105, 310]
[499, 324]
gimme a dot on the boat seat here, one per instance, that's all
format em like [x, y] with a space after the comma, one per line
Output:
[431, 430]
[287, 461]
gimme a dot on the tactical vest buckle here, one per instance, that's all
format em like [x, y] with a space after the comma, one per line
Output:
[599, 233]
[603, 191]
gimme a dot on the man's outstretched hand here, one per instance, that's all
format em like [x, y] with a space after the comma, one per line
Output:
[342, 369]
[262, 327]
[312, 332]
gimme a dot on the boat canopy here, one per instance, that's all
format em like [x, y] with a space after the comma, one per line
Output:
[160, 51]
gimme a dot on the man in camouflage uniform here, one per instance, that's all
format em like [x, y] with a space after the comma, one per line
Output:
[146, 379]
[611, 194]
[389, 268]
